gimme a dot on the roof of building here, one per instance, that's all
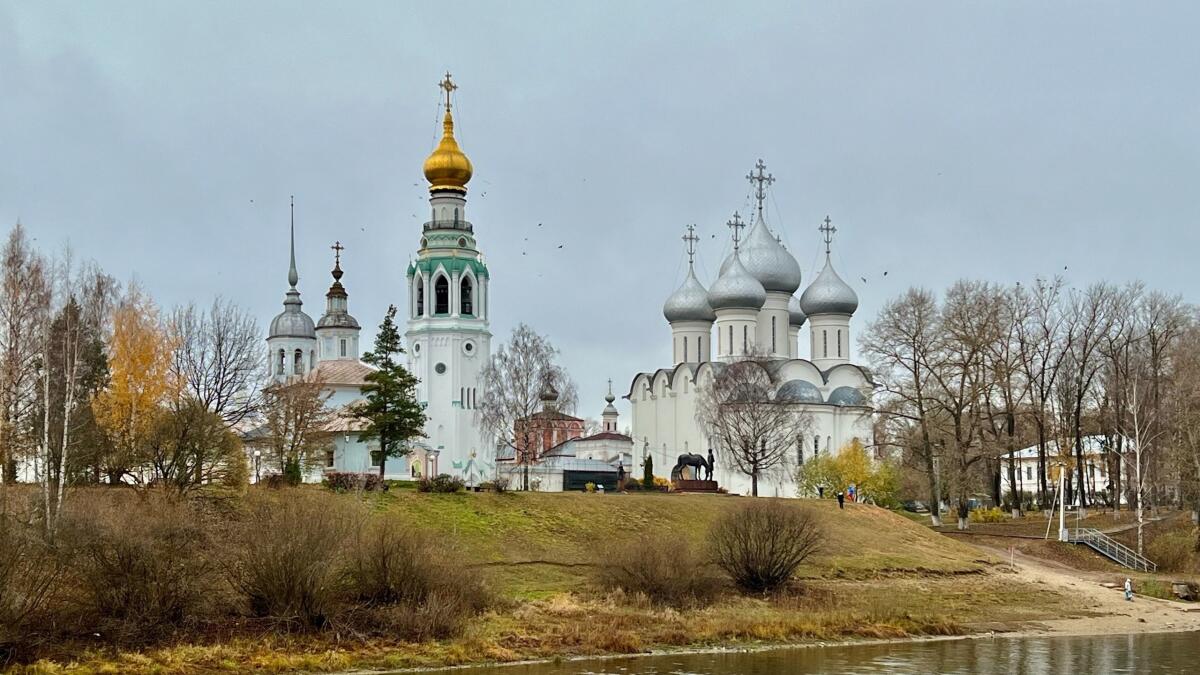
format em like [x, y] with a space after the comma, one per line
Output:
[343, 371]
[828, 294]
[767, 260]
[736, 288]
[1092, 445]
[605, 436]
[689, 302]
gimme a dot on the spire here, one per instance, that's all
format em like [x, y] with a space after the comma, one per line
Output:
[337, 260]
[760, 181]
[293, 276]
[609, 397]
[827, 231]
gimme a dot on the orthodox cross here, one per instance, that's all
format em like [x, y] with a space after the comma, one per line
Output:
[337, 253]
[736, 225]
[690, 240]
[827, 230]
[448, 86]
[760, 181]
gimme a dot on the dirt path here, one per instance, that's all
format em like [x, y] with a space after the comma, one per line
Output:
[1106, 608]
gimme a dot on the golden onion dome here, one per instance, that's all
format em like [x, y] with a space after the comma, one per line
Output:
[447, 168]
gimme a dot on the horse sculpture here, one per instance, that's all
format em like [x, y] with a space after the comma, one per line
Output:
[693, 460]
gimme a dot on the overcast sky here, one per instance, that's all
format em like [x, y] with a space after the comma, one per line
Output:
[997, 140]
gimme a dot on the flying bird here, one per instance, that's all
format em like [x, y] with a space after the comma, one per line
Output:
[560, 245]
[885, 273]
[864, 279]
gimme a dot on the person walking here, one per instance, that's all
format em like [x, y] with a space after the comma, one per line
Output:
[1128, 589]
[841, 496]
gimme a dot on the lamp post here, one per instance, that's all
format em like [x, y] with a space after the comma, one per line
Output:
[1062, 502]
[257, 458]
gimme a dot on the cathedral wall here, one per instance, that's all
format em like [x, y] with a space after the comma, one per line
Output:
[772, 323]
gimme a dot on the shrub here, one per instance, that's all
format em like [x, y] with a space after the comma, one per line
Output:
[1172, 551]
[285, 558]
[29, 572]
[274, 481]
[589, 487]
[761, 544]
[293, 475]
[410, 584]
[662, 567]
[992, 515]
[662, 484]
[353, 482]
[498, 485]
[139, 568]
[648, 473]
[442, 483]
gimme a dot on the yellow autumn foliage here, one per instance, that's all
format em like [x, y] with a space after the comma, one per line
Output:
[140, 384]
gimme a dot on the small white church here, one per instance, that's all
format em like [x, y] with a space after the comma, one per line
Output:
[447, 339]
[751, 309]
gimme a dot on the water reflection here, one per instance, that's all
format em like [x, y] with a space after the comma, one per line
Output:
[1166, 653]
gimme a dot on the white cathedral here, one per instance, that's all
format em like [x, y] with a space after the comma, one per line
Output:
[751, 309]
[448, 340]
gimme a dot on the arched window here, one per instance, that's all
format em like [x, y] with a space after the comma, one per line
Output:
[816, 445]
[280, 365]
[745, 339]
[298, 363]
[456, 214]
[466, 297]
[342, 347]
[685, 349]
[312, 359]
[799, 450]
[700, 348]
[773, 335]
[839, 343]
[420, 296]
[441, 296]
[825, 342]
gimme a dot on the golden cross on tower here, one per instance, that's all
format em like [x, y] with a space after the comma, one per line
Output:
[448, 87]
[337, 252]
[760, 181]
[827, 229]
[690, 240]
[736, 225]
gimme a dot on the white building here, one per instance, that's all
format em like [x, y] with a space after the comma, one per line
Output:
[1095, 469]
[753, 310]
[448, 338]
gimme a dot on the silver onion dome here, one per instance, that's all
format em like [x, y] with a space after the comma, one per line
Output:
[796, 315]
[736, 288]
[689, 302]
[828, 294]
[292, 321]
[767, 260]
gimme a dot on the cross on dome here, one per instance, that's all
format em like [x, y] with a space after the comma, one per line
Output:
[827, 230]
[760, 181]
[736, 225]
[337, 253]
[690, 240]
[448, 86]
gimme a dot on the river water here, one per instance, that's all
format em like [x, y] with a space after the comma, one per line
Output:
[1157, 653]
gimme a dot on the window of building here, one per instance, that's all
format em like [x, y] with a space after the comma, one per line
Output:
[375, 457]
[280, 365]
[825, 343]
[799, 450]
[329, 459]
[1029, 473]
[298, 363]
[342, 347]
[816, 445]
[685, 349]
[700, 348]
[441, 296]
[772, 335]
[745, 339]
[466, 297]
[312, 359]
[420, 297]
[731, 339]
[839, 343]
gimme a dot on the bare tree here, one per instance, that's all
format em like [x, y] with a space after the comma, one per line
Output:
[296, 425]
[1089, 319]
[1010, 310]
[217, 358]
[902, 346]
[513, 383]
[24, 299]
[1042, 342]
[752, 429]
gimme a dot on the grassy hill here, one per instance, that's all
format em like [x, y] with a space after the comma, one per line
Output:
[537, 544]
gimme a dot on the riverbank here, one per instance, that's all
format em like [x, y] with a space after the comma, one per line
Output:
[878, 577]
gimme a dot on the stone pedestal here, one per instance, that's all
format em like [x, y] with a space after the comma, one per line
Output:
[683, 485]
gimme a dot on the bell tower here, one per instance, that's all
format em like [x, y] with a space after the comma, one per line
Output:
[448, 337]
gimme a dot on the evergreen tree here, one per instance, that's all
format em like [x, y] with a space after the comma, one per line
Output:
[648, 473]
[390, 409]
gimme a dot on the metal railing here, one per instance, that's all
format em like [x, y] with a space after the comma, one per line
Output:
[1111, 549]
[461, 225]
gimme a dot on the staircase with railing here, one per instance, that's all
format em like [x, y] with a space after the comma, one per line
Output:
[1111, 549]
